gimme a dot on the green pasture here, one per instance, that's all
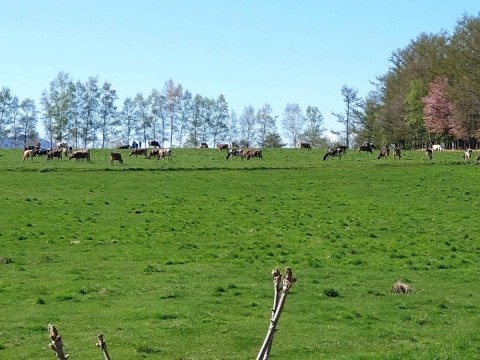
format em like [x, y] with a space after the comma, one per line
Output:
[172, 259]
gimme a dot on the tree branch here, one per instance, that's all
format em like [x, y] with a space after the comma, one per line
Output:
[103, 346]
[56, 343]
[278, 304]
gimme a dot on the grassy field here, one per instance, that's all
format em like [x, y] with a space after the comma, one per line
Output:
[172, 260]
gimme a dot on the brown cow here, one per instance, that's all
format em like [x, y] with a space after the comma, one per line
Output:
[154, 152]
[138, 151]
[384, 153]
[303, 145]
[397, 154]
[222, 147]
[80, 154]
[55, 153]
[114, 156]
[164, 153]
[250, 153]
[27, 154]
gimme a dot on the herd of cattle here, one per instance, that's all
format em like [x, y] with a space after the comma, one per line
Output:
[154, 150]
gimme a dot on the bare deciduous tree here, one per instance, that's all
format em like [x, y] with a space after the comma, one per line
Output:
[266, 123]
[314, 126]
[247, 123]
[352, 112]
[293, 122]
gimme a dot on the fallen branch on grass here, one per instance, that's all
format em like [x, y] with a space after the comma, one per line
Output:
[279, 298]
[56, 343]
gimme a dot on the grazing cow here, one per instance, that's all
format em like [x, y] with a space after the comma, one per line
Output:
[342, 148]
[337, 152]
[27, 154]
[384, 153]
[397, 153]
[55, 153]
[114, 156]
[256, 153]
[478, 158]
[303, 145]
[437, 147]
[222, 147]
[67, 151]
[247, 154]
[80, 154]
[41, 152]
[233, 152]
[203, 146]
[123, 147]
[429, 153]
[467, 154]
[367, 148]
[154, 152]
[164, 153]
[154, 143]
[138, 151]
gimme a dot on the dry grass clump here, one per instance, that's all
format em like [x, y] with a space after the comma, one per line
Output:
[400, 287]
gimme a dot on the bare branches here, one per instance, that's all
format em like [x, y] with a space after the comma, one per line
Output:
[56, 343]
[278, 303]
[103, 346]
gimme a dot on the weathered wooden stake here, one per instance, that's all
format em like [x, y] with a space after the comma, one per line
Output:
[103, 345]
[56, 344]
[278, 304]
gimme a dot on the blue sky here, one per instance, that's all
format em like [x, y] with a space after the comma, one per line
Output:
[252, 51]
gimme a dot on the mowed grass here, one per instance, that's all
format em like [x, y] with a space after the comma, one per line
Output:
[172, 260]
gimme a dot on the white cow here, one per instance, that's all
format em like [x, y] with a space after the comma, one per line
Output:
[467, 154]
[438, 147]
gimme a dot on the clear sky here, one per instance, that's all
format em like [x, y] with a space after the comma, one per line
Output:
[252, 51]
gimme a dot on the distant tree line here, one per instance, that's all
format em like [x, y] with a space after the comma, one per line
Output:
[431, 93]
[86, 114]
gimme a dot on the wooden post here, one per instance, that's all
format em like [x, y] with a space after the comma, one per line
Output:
[56, 343]
[103, 345]
[278, 304]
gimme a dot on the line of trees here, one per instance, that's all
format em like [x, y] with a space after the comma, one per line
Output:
[86, 114]
[431, 93]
